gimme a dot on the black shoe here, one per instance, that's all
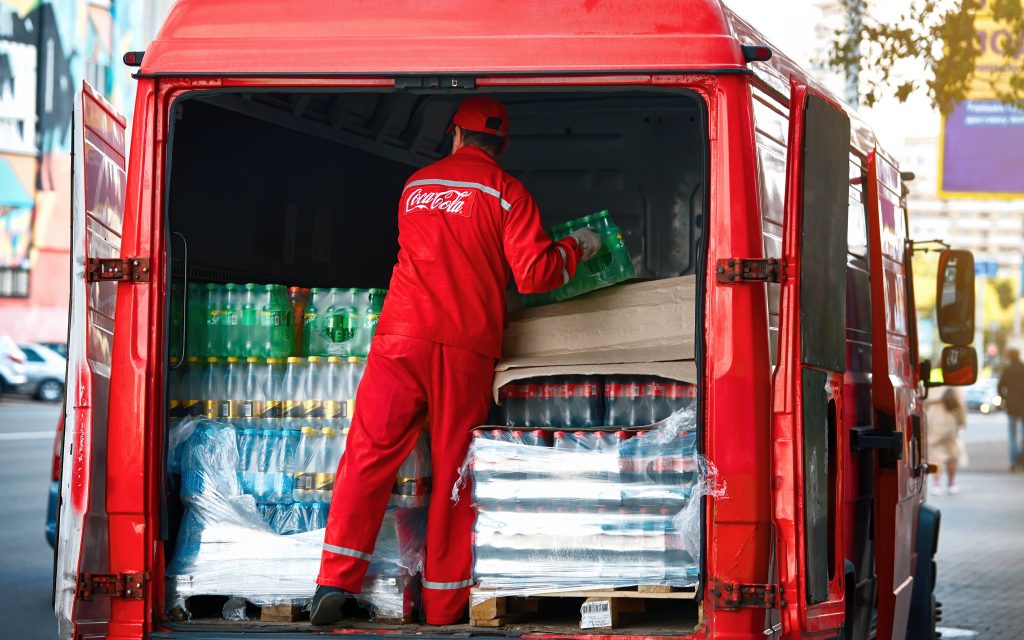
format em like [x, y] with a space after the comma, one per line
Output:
[326, 606]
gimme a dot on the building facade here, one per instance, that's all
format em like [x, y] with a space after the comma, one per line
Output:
[46, 49]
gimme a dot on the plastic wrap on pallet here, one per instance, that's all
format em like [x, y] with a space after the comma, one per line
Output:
[570, 518]
[226, 546]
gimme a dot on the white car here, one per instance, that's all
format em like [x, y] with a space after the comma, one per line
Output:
[12, 365]
[45, 370]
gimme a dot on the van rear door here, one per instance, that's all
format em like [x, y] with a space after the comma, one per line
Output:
[82, 570]
[808, 386]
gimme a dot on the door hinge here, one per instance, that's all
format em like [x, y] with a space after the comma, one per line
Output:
[125, 585]
[739, 270]
[732, 595]
[117, 270]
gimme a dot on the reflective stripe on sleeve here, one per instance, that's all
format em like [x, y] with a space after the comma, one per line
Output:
[565, 272]
[352, 553]
[448, 585]
[505, 204]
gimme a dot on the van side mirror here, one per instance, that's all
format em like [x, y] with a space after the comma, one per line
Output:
[959, 366]
[954, 299]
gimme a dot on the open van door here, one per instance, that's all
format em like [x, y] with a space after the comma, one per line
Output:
[807, 394]
[82, 568]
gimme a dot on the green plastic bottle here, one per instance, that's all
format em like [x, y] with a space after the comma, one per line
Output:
[310, 322]
[211, 308]
[250, 323]
[196, 321]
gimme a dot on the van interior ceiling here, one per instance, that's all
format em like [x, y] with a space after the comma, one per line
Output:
[301, 188]
[304, 186]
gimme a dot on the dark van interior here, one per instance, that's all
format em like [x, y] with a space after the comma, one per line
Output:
[301, 188]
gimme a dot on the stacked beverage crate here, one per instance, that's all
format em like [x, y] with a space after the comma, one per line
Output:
[254, 446]
[574, 505]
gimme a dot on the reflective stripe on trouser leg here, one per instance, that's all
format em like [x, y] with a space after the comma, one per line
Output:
[462, 584]
[460, 397]
[352, 553]
[383, 432]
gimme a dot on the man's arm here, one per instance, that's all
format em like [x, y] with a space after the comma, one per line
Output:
[538, 264]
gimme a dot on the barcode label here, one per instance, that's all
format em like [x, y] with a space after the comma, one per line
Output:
[595, 615]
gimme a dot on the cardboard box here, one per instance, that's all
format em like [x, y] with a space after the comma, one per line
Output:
[646, 328]
[643, 322]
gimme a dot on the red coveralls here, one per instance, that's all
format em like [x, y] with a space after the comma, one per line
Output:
[463, 223]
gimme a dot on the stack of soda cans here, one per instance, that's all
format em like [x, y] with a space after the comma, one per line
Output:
[567, 505]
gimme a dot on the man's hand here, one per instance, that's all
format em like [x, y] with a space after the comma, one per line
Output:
[589, 241]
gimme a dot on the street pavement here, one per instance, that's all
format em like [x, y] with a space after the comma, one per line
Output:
[981, 547]
[26, 561]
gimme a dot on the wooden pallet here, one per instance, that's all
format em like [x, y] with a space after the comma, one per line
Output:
[602, 609]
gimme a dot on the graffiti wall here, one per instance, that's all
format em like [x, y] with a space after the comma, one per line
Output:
[46, 49]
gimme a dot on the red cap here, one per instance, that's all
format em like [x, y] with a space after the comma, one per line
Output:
[482, 114]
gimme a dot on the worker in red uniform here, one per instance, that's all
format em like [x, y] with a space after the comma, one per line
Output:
[463, 225]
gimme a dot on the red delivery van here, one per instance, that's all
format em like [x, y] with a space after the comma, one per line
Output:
[269, 144]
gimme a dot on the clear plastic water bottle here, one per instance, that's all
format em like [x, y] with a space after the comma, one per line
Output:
[333, 386]
[355, 367]
[323, 488]
[293, 391]
[317, 516]
[234, 393]
[253, 403]
[313, 392]
[288, 444]
[212, 388]
[191, 388]
[247, 460]
[305, 466]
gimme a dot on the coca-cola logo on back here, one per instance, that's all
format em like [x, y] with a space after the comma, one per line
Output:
[451, 201]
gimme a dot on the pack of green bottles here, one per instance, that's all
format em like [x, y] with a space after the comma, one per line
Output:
[341, 322]
[239, 320]
[611, 265]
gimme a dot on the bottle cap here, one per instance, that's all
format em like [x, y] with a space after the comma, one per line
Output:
[211, 285]
[327, 431]
[252, 359]
[313, 359]
[294, 289]
[294, 359]
[333, 359]
[213, 359]
[315, 290]
[353, 359]
[233, 359]
[275, 360]
[230, 286]
[249, 286]
[192, 359]
[307, 430]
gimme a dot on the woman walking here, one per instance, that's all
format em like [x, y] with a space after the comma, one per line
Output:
[946, 418]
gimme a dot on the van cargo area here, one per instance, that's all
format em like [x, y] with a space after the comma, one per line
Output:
[299, 189]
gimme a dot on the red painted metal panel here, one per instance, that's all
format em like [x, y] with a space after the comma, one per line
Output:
[897, 495]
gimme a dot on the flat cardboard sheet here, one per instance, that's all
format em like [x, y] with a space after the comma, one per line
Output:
[681, 370]
[644, 322]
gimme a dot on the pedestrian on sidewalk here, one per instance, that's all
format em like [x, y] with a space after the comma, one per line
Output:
[1011, 388]
[946, 419]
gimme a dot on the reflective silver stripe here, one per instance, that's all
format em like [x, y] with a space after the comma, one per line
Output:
[565, 272]
[448, 585]
[342, 551]
[491, 191]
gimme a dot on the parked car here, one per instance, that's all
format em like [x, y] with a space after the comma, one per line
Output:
[983, 396]
[59, 347]
[44, 370]
[12, 365]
